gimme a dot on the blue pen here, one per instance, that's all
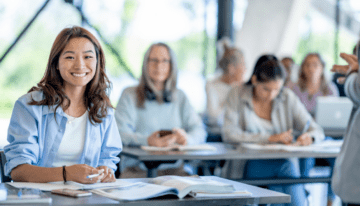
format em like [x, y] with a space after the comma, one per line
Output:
[306, 127]
[20, 193]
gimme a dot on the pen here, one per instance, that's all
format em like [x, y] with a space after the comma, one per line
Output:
[92, 176]
[95, 175]
[20, 193]
[306, 127]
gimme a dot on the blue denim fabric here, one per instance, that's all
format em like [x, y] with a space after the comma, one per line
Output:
[306, 164]
[281, 168]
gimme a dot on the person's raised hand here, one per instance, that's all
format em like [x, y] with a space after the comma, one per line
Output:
[352, 66]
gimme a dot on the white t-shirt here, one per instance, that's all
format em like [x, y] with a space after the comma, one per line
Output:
[264, 126]
[72, 143]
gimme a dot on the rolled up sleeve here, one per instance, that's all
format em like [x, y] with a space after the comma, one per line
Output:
[22, 136]
[111, 146]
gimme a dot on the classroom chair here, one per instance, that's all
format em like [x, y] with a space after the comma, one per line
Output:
[3, 161]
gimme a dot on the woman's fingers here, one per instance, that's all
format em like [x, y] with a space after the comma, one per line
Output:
[341, 69]
[305, 139]
[349, 58]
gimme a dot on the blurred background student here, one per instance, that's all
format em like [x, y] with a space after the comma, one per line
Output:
[288, 64]
[346, 178]
[154, 105]
[262, 111]
[233, 69]
[312, 84]
[64, 128]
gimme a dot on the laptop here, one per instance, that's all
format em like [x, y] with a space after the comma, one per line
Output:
[333, 112]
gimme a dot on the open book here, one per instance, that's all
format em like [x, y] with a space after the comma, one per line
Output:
[180, 148]
[164, 185]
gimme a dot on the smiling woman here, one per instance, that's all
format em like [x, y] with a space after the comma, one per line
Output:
[64, 129]
[77, 63]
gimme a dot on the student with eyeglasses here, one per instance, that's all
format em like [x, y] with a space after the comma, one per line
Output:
[154, 105]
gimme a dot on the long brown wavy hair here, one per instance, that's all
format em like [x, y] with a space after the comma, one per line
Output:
[302, 77]
[95, 97]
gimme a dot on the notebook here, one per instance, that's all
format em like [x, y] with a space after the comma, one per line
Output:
[333, 112]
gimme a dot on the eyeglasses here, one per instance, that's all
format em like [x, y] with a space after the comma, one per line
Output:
[312, 64]
[157, 61]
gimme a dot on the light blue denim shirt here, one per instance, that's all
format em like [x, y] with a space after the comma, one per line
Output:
[346, 175]
[35, 136]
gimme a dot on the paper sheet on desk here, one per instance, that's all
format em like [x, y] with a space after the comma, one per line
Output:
[69, 185]
[180, 148]
[324, 146]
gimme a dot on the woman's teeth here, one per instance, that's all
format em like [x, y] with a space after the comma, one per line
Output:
[79, 75]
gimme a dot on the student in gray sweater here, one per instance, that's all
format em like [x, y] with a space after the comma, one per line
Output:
[262, 111]
[346, 175]
[154, 105]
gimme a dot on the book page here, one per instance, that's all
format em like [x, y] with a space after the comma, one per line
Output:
[194, 184]
[135, 191]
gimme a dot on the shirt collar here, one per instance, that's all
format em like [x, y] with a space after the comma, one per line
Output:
[51, 110]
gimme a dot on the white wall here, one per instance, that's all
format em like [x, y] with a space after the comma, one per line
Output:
[270, 26]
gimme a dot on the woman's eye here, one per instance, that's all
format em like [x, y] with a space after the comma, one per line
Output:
[88, 57]
[69, 57]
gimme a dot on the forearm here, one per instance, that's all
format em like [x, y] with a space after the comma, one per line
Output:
[31, 173]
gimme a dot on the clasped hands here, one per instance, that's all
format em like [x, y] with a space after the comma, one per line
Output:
[287, 138]
[178, 136]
